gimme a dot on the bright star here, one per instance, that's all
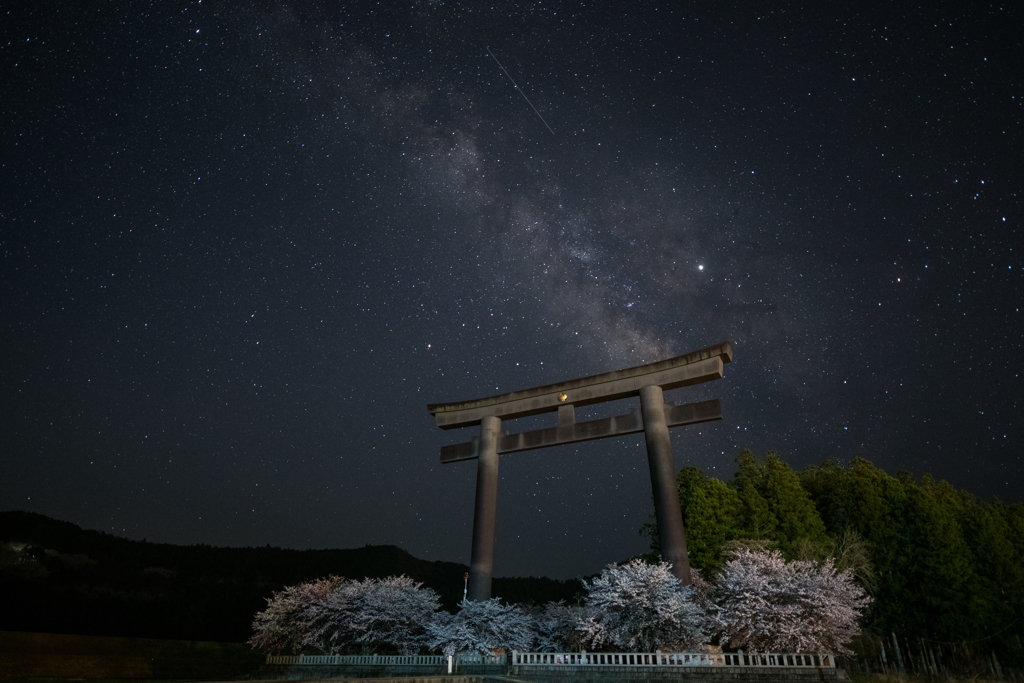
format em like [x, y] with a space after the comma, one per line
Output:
[700, 267]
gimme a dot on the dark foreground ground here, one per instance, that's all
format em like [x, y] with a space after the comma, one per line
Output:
[37, 656]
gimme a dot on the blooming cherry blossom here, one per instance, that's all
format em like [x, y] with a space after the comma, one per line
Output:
[557, 627]
[290, 617]
[482, 626]
[331, 615]
[640, 607]
[770, 605]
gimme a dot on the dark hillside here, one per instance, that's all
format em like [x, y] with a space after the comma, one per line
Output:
[58, 578]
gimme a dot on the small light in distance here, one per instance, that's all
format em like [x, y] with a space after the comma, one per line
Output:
[700, 267]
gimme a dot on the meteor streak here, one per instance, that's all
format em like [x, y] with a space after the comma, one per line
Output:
[519, 89]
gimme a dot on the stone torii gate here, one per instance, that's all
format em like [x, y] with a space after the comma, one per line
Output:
[654, 419]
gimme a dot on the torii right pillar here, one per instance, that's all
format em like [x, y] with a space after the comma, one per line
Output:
[671, 533]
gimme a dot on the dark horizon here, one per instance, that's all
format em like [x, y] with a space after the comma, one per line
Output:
[245, 246]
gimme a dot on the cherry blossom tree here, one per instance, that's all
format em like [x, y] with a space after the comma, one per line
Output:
[372, 614]
[288, 620]
[557, 627]
[770, 605]
[703, 594]
[325, 619]
[393, 612]
[640, 607]
[482, 626]
[333, 615]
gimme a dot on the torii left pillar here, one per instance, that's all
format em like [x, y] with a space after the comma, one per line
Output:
[481, 563]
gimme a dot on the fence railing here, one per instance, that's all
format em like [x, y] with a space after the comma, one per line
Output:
[623, 659]
[477, 658]
[659, 658]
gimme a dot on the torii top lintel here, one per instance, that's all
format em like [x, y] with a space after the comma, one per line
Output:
[691, 368]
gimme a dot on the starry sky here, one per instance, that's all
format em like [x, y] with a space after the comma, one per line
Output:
[245, 244]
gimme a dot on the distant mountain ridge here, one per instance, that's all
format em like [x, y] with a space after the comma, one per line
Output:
[56, 577]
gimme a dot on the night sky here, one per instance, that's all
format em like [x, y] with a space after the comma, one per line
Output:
[245, 244]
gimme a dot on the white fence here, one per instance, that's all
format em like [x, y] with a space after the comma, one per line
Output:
[624, 659]
[477, 658]
[659, 658]
[386, 660]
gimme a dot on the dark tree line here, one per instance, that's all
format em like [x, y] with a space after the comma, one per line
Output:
[942, 565]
